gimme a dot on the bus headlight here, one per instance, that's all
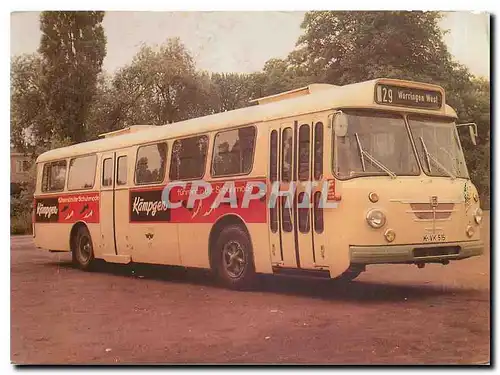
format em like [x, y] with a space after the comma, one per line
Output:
[478, 215]
[375, 218]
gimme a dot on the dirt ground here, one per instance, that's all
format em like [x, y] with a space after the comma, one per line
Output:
[128, 314]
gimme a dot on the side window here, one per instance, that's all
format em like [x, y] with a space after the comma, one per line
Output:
[303, 213]
[121, 175]
[318, 151]
[54, 176]
[81, 173]
[286, 151]
[318, 213]
[107, 172]
[22, 166]
[188, 158]
[273, 175]
[150, 164]
[304, 147]
[286, 212]
[273, 154]
[233, 152]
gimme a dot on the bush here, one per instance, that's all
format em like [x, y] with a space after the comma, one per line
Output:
[20, 212]
[21, 223]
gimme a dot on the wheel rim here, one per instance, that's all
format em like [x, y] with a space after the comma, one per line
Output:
[233, 259]
[85, 247]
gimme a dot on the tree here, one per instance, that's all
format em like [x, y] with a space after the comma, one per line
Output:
[284, 75]
[348, 47]
[159, 87]
[73, 46]
[475, 107]
[104, 111]
[278, 75]
[230, 90]
[30, 125]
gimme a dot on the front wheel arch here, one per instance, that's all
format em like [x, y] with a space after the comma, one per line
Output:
[232, 251]
[221, 223]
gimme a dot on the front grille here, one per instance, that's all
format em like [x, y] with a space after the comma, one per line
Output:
[424, 211]
[435, 251]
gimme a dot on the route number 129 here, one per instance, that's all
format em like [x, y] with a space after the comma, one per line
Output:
[386, 95]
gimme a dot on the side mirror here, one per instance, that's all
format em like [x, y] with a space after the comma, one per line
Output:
[472, 131]
[340, 124]
[473, 134]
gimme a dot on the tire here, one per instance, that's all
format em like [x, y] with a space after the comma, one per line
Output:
[349, 275]
[234, 258]
[83, 250]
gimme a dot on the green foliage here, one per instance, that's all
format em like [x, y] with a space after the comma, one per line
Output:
[21, 224]
[475, 107]
[230, 91]
[348, 47]
[21, 204]
[159, 87]
[30, 122]
[73, 46]
[105, 113]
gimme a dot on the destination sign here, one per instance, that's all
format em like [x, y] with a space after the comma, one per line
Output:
[408, 97]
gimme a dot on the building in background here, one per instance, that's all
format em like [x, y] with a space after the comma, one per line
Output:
[20, 165]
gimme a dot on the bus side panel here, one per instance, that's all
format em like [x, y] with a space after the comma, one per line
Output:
[97, 243]
[53, 236]
[336, 245]
[194, 245]
[260, 244]
[57, 237]
[193, 241]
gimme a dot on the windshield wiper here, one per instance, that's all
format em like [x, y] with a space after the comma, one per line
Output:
[364, 154]
[430, 157]
[454, 160]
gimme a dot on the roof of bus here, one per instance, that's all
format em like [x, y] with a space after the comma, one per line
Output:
[357, 95]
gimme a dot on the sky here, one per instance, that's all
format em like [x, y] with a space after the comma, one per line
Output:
[238, 41]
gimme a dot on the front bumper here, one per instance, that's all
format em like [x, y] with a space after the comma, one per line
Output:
[417, 253]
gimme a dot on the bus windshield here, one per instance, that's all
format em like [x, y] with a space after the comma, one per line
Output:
[438, 147]
[375, 144]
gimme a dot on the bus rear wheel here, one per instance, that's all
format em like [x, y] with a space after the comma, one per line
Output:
[234, 264]
[82, 249]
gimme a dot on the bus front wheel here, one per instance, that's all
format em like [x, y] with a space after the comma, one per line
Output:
[235, 265]
[83, 251]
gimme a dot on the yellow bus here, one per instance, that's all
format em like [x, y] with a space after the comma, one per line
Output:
[379, 164]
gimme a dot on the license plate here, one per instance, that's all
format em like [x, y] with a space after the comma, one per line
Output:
[434, 238]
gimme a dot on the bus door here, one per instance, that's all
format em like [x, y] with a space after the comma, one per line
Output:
[296, 157]
[302, 169]
[123, 179]
[321, 163]
[114, 204]
[106, 208]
